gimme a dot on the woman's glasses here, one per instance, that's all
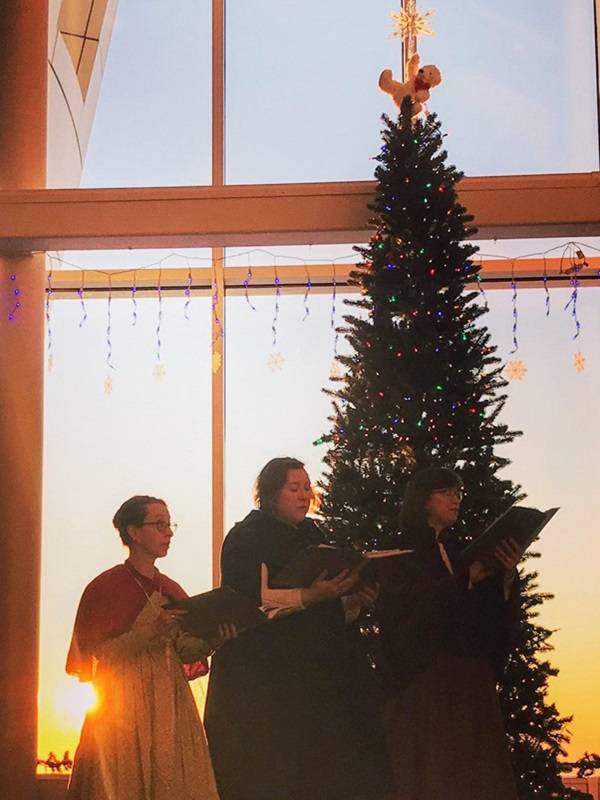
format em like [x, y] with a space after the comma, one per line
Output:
[162, 526]
[458, 493]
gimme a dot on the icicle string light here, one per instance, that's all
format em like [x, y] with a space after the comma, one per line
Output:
[546, 290]
[80, 293]
[277, 283]
[219, 333]
[306, 293]
[515, 314]
[159, 317]
[15, 297]
[333, 308]
[188, 292]
[572, 248]
[572, 303]
[109, 325]
[134, 315]
[49, 291]
[247, 281]
[482, 291]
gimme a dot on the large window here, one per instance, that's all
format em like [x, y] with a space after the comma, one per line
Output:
[152, 434]
[301, 96]
[307, 107]
[129, 401]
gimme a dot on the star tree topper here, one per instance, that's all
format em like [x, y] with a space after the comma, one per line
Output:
[408, 25]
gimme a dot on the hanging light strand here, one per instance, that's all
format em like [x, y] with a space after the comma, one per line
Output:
[481, 289]
[307, 292]
[188, 291]
[134, 314]
[546, 289]
[15, 298]
[572, 302]
[80, 294]
[247, 281]
[159, 317]
[109, 325]
[219, 333]
[515, 312]
[277, 283]
[333, 308]
[49, 290]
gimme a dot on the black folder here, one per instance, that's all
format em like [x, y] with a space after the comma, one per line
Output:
[520, 523]
[209, 610]
[313, 561]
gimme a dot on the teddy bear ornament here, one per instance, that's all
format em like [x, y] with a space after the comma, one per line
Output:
[419, 81]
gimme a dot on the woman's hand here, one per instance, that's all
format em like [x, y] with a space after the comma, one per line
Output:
[162, 625]
[509, 552]
[323, 588]
[226, 632]
[365, 596]
[478, 571]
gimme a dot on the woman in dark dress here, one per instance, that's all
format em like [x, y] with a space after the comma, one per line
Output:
[445, 632]
[289, 714]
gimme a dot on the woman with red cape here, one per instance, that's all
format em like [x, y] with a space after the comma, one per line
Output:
[144, 740]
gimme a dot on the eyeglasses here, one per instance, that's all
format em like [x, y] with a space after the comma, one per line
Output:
[458, 493]
[162, 526]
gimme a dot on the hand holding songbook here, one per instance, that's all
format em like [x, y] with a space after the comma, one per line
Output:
[324, 588]
[503, 543]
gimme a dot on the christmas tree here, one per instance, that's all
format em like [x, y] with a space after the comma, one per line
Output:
[424, 387]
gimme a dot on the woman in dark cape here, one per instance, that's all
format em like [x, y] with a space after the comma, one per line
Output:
[289, 715]
[445, 632]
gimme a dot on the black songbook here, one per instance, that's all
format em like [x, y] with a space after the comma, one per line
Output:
[518, 522]
[209, 610]
[384, 566]
[313, 561]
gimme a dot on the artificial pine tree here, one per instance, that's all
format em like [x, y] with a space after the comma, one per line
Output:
[423, 387]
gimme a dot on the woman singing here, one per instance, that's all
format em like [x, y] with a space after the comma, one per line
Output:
[145, 739]
[289, 713]
[445, 632]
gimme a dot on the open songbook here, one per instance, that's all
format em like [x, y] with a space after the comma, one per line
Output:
[209, 610]
[315, 560]
[518, 522]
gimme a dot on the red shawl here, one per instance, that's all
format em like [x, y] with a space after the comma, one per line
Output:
[108, 608]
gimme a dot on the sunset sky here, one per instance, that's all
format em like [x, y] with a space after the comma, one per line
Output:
[290, 118]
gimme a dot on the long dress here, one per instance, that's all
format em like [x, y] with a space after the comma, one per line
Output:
[144, 740]
[289, 713]
[444, 644]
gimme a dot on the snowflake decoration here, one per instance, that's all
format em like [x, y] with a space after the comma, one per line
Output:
[108, 385]
[275, 362]
[159, 372]
[217, 361]
[335, 372]
[410, 24]
[50, 363]
[515, 370]
[579, 361]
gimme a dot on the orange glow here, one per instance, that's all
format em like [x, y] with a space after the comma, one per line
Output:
[74, 699]
[62, 708]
